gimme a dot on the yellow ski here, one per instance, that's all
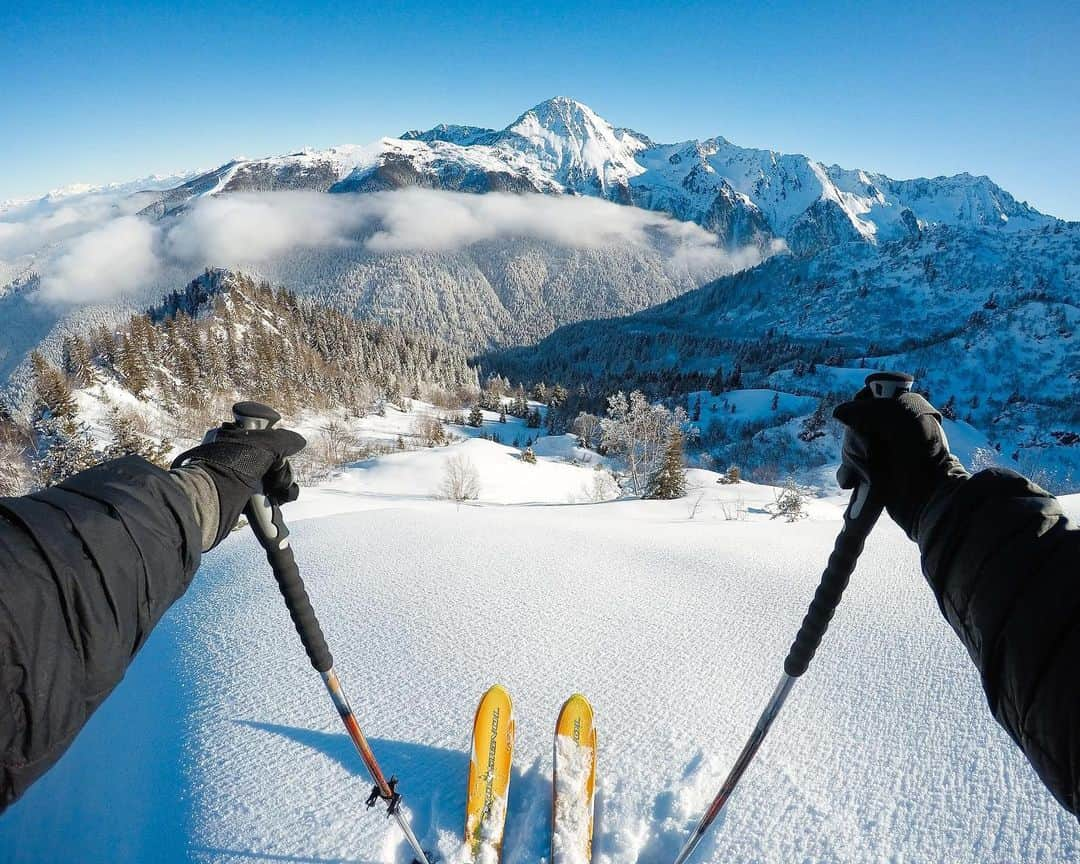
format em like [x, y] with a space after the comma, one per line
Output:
[574, 783]
[489, 776]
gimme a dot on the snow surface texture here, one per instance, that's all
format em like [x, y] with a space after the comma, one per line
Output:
[573, 808]
[221, 745]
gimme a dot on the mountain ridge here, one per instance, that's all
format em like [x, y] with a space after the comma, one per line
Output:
[561, 146]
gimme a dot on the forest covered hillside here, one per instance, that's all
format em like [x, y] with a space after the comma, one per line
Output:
[157, 382]
[987, 323]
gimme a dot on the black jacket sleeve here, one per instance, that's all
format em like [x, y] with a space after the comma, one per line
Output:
[1004, 563]
[87, 569]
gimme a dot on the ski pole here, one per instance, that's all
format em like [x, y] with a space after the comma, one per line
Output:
[861, 514]
[272, 534]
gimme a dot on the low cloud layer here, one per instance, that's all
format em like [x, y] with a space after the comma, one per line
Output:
[93, 250]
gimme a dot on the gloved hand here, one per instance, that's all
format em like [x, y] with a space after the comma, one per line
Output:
[242, 463]
[899, 447]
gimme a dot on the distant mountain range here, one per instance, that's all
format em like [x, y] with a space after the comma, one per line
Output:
[951, 277]
[561, 146]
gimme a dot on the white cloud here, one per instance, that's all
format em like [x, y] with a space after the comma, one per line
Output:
[92, 249]
[420, 219]
[106, 262]
[253, 227]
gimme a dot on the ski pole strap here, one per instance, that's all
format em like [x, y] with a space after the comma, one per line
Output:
[270, 530]
[838, 570]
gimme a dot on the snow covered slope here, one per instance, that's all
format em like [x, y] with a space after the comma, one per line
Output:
[986, 320]
[220, 746]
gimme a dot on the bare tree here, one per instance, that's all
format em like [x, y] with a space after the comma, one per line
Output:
[637, 431]
[430, 430]
[734, 511]
[461, 481]
[587, 427]
[338, 444]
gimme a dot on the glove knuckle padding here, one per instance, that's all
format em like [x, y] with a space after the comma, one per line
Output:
[245, 462]
[897, 445]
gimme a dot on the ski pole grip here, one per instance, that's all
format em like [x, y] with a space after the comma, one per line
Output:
[270, 530]
[838, 570]
[859, 519]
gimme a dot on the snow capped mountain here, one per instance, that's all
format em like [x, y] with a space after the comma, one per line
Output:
[575, 147]
[987, 285]
[463, 135]
[561, 146]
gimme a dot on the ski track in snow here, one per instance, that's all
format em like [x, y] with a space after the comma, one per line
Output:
[222, 746]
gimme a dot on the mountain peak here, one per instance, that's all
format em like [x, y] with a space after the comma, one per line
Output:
[560, 114]
[578, 146]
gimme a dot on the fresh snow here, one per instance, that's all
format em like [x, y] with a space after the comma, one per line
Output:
[573, 808]
[221, 745]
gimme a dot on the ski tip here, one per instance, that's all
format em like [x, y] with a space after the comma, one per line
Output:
[495, 697]
[496, 694]
[577, 702]
[576, 720]
[497, 690]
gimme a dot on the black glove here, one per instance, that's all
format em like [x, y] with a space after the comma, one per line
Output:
[899, 447]
[245, 462]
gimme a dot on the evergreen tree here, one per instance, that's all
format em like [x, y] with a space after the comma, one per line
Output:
[131, 362]
[716, 382]
[126, 441]
[64, 448]
[814, 426]
[77, 358]
[669, 479]
[551, 420]
[103, 344]
[51, 389]
[790, 502]
[476, 417]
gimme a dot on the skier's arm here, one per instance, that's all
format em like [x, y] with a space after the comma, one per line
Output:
[1004, 564]
[88, 568]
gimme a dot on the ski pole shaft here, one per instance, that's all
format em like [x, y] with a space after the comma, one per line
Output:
[860, 516]
[746, 756]
[273, 535]
[849, 544]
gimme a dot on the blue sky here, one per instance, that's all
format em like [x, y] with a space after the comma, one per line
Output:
[95, 92]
